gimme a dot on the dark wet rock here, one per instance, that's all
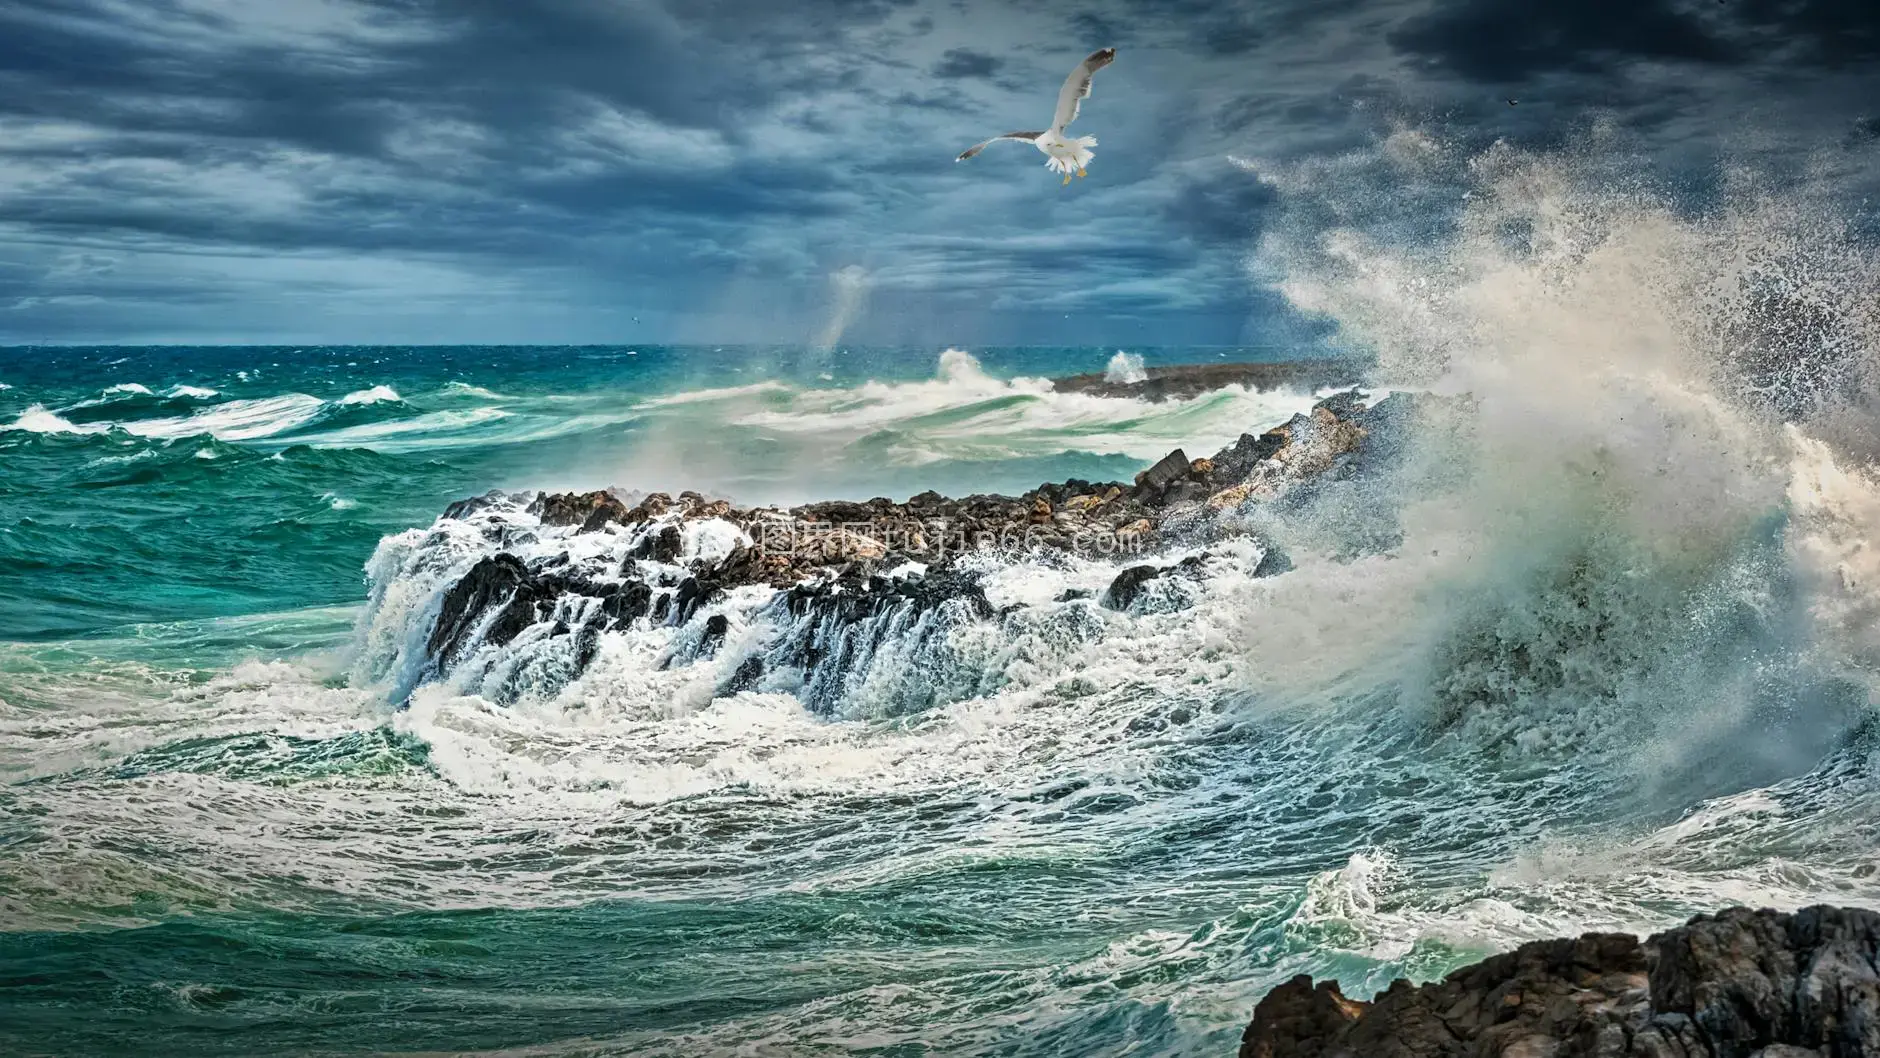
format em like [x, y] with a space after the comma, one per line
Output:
[589, 509]
[1172, 467]
[692, 593]
[626, 603]
[492, 582]
[587, 644]
[1186, 492]
[833, 629]
[1739, 984]
[666, 545]
[1273, 562]
[463, 509]
[603, 513]
[750, 672]
[1128, 586]
[716, 626]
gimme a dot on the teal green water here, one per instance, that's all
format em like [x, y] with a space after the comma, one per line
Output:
[219, 834]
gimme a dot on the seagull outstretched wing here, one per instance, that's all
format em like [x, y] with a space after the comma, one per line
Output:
[1077, 87]
[977, 147]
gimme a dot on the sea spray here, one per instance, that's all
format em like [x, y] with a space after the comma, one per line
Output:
[1622, 560]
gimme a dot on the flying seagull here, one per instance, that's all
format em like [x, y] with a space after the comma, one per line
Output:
[1062, 154]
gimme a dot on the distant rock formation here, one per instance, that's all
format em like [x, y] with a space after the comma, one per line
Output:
[1189, 380]
[1740, 984]
[555, 572]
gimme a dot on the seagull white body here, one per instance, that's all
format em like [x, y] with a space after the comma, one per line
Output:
[1063, 153]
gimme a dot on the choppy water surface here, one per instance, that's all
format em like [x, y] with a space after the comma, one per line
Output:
[1598, 656]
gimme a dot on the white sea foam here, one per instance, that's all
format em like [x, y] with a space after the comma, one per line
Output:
[236, 420]
[37, 419]
[375, 395]
[1125, 369]
[965, 414]
[186, 392]
[468, 390]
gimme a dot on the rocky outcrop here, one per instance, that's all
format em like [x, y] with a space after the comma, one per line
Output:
[848, 575]
[1181, 381]
[1740, 984]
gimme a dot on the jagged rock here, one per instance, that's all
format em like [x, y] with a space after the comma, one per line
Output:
[501, 583]
[750, 672]
[1231, 498]
[572, 509]
[714, 635]
[1273, 562]
[1179, 381]
[666, 545]
[691, 594]
[1128, 585]
[491, 582]
[827, 560]
[1296, 1020]
[1740, 984]
[1172, 467]
[607, 510]
[463, 509]
[1185, 492]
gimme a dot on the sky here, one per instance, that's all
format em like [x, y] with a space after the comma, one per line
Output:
[719, 171]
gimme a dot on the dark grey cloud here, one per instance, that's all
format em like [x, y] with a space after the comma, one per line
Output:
[1220, 208]
[1830, 32]
[965, 62]
[1510, 40]
[1504, 40]
[401, 169]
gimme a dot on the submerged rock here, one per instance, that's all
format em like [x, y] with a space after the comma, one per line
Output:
[1739, 984]
[1127, 588]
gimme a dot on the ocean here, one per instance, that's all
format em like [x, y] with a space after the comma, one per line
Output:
[1597, 656]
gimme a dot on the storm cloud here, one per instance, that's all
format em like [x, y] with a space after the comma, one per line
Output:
[549, 170]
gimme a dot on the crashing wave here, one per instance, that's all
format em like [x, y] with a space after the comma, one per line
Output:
[375, 395]
[1125, 369]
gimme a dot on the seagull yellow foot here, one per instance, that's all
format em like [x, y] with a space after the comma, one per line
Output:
[1081, 174]
[1067, 179]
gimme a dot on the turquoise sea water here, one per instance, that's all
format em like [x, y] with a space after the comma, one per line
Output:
[1520, 715]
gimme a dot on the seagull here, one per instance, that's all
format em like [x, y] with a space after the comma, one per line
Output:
[1062, 154]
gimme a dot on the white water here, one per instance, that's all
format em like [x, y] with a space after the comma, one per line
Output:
[1125, 369]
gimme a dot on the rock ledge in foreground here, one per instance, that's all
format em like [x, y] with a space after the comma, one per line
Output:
[1739, 984]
